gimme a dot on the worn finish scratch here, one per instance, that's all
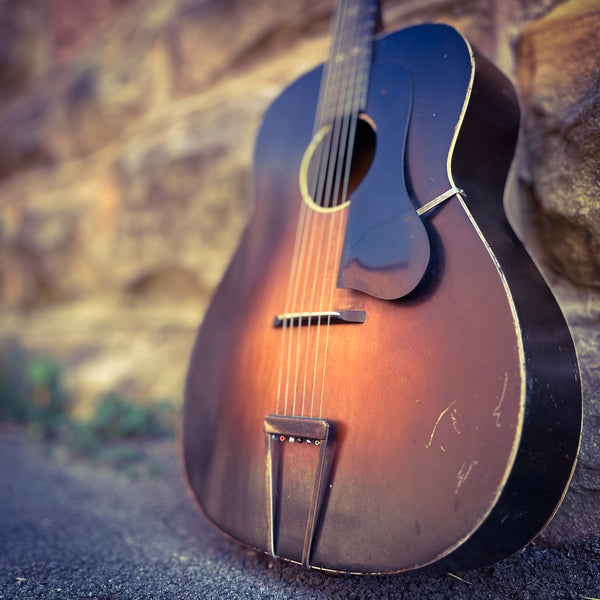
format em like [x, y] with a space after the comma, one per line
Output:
[463, 474]
[428, 444]
[496, 412]
[454, 421]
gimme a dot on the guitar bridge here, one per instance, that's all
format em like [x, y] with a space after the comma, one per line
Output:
[297, 430]
[319, 318]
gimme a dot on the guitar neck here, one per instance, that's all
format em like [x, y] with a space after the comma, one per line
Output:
[346, 75]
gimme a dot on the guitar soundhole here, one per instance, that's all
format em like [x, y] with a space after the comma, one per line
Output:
[323, 167]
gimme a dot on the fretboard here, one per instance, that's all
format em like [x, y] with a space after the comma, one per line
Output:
[346, 75]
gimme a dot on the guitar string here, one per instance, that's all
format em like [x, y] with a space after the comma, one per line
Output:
[322, 196]
[342, 138]
[346, 115]
[296, 268]
[286, 311]
[343, 115]
[362, 65]
[305, 215]
[325, 193]
[290, 300]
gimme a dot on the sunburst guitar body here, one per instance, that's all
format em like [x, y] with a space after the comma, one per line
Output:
[383, 380]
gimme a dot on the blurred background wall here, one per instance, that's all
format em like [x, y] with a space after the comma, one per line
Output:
[126, 138]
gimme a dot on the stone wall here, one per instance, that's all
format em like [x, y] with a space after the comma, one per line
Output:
[126, 176]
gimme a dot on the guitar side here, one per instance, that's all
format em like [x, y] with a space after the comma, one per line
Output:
[456, 408]
[551, 433]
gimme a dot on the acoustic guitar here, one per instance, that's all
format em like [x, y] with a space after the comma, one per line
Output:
[383, 380]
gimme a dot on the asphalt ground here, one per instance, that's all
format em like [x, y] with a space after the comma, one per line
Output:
[73, 529]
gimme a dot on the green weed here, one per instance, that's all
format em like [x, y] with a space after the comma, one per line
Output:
[32, 393]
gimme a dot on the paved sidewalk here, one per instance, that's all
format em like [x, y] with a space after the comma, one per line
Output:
[71, 530]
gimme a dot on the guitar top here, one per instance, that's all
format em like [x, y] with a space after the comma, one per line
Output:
[383, 380]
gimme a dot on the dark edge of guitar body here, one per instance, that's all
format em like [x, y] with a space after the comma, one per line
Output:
[551, 433]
